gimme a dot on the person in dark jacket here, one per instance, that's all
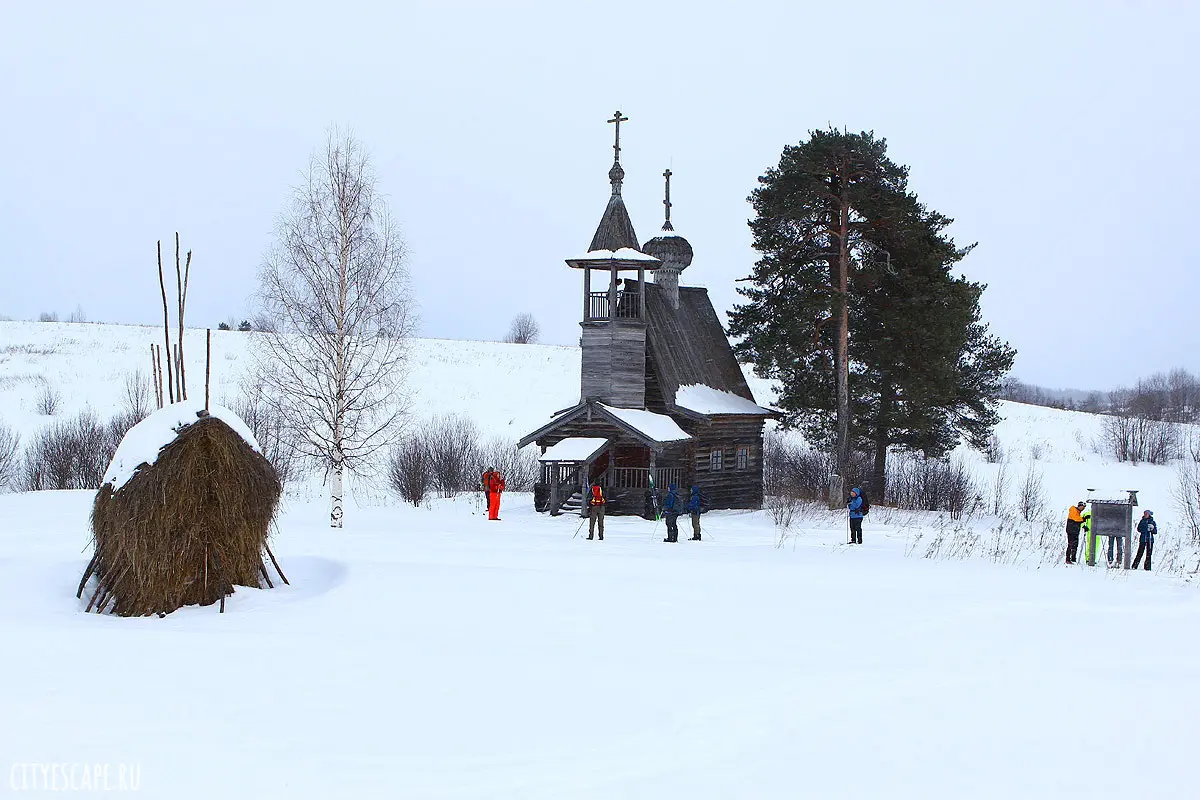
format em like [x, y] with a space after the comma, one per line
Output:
[672, 507]
[1074, 523]
[695, 507]
[854, 505]
[1146, 529]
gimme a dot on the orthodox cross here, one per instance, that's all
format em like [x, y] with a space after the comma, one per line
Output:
[618, 119]
[667, 201]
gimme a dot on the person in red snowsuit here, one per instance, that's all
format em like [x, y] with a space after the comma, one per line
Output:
[493, 484]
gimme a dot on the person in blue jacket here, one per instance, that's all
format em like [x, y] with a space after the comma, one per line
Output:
[1146, 529]
[856, 515]
[672, 507]
[695, 507]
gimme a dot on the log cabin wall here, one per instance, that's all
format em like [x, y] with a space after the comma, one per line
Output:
[614, 363]
[733, 485]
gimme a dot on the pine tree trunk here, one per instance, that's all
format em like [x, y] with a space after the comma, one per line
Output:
[842, 356]
[335, 497]
[882, 434]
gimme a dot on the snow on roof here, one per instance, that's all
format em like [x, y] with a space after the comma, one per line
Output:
[146, 439]
[625, 253]
[1110, 494]
[707, 400]
[657, 427]
[576, 448]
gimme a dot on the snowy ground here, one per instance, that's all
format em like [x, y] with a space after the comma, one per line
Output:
[425, 652]
[430, 653]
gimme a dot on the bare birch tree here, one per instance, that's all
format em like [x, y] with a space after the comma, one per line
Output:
[335, 285]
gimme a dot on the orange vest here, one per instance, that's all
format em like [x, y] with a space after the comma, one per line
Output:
[597, 496]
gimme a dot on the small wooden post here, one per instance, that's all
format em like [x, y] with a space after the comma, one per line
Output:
[587, 294]
[207, 364]
[612, 292]
[641, 293]
[162, 285]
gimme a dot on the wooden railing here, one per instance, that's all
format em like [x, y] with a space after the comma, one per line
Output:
[628, 305]
[639, 477]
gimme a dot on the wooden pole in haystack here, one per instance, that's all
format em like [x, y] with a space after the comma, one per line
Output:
[207, 364]
[154, 377]
[162, 285]
[181, 287]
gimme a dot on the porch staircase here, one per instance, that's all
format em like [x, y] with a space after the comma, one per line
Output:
[574, 503]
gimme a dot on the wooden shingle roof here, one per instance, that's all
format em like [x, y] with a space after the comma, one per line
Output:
[688, 345]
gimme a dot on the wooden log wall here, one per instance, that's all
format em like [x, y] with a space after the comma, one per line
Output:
[731, 487]
[614, 362]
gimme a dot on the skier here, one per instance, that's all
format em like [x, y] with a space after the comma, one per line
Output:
[696, 505]
[854, 506]
[671, 508]
[1147, 528]
[596, 503]
[1074, 523]
[493, 484]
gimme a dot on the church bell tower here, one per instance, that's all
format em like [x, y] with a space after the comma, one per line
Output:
[614, 317]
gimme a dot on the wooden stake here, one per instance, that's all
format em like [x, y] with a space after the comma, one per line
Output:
[276, 563]
[181, 296]
[207, 363]
[87, 573]
[263, 568]
[94, 596]
[162, 285]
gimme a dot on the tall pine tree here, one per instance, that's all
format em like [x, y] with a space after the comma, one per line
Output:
[810, 228]
[920, 369]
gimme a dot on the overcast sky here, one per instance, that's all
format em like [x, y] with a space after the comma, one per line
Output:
[1060, 136]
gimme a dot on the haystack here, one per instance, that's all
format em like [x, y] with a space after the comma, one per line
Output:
[183, 514]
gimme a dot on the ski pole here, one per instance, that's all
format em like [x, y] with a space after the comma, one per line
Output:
[581, 523]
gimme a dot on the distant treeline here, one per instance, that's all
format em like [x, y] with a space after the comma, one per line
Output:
[1165, 396]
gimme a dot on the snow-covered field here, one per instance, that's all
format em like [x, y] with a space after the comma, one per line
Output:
[426, 652]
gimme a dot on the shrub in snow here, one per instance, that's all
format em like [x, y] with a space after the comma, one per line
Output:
[72, 454]
[410, 470]
[1031, 495]
[1136, 439]
[183, 514]
[48, 316]
[10, 447]
[520, 468]
[48, 400]
[930, 484]
[452, 442]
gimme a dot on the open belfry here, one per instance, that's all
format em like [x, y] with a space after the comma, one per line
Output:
[662, 398]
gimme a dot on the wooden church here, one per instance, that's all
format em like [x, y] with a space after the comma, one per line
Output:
[663, 400]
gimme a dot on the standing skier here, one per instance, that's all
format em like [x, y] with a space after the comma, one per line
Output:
[855, 506]
[493, 484]
[695, 507]
[671, 508]
[1146, 528]
[596, 503]
[1074, 523]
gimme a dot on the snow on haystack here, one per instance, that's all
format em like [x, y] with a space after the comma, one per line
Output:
[145, 441]
[183, 515]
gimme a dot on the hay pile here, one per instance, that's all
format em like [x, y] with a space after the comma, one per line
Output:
[186, 528]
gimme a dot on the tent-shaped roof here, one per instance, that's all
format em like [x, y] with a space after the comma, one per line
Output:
[689, 347]
[653, 430]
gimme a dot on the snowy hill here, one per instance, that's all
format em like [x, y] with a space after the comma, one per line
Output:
[426, 652]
